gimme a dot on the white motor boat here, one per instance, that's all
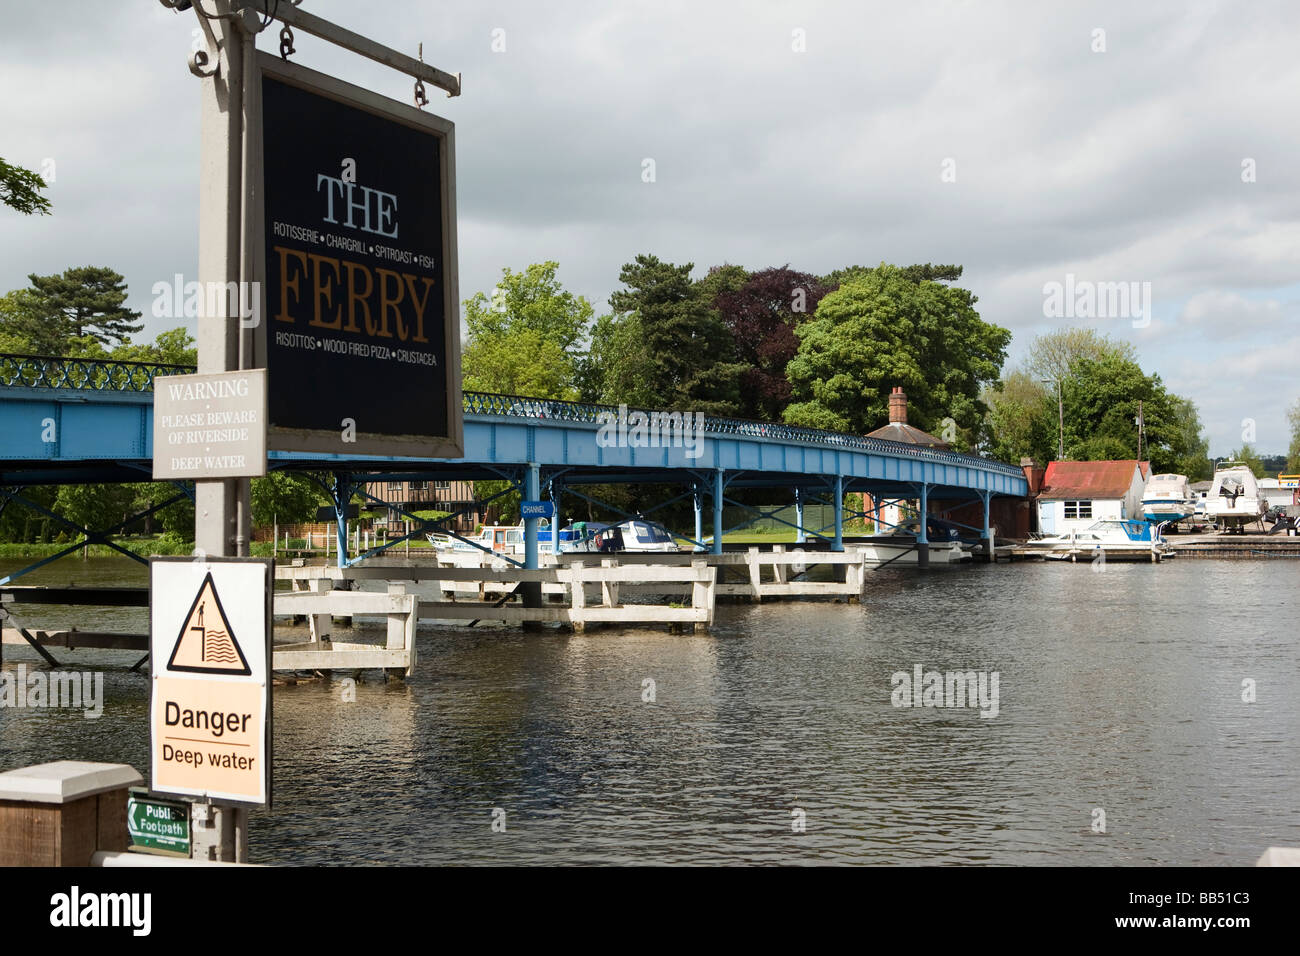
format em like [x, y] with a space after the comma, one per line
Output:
[1234, 500]
[1117, 539]
[899, 547]
[1167, 498]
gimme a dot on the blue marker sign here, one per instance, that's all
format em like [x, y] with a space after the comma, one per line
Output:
[536, 509]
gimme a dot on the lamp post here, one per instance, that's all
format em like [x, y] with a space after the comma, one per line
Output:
[1060, 412]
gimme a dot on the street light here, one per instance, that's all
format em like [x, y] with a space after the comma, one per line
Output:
[1060, 411]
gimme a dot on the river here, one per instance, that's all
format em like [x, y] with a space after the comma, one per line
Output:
[775, 738]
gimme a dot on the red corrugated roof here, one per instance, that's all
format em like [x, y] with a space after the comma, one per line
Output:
[1088, 479]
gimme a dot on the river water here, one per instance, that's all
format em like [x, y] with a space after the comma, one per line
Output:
[1119, 692]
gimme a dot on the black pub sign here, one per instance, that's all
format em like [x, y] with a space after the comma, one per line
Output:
[360, 329]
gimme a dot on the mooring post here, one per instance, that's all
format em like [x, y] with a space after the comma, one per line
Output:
[717, 512]
[922, 537]
[341, 496]
[839, 514]
[531, 590]
[800, 536]
[556, 495]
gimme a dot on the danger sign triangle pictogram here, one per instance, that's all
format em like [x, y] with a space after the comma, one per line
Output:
[206, 643]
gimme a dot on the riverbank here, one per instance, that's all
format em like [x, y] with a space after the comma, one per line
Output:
[144, 546]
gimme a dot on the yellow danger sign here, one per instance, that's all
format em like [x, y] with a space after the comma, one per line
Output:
[210, 647]
[206, 643]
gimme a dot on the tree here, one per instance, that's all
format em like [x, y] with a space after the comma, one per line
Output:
[94, 506]
[172, 347]
[1293, 451]
[1103, 399]
[284, 497]
[762, 314]
[1052, 356]
[90, 300]
[884, 330]
[20, 190]
[1022, 419]
[926, 272]
[525, 338]
[617, 367]
[683, 354]
[1190, 449]
[28, 325]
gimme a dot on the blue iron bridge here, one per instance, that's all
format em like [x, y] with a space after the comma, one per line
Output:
[75, 420]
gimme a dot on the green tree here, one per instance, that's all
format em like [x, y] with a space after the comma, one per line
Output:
[1052, 356]
[919, 272]
[525, 339]
[1022, 419]
[90, 300]
[683, 354]
[28, 325]
[883, 330]
[20, 189]
[1103, 399]
[95, 506]
[1293, 451]
[171, 347]
[1189, 448]
[285, 498]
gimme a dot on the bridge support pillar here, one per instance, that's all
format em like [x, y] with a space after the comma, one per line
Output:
[532, 590]
[800, 536]
[717, 511]
[987, 546]
[839, 514]
[922, 529]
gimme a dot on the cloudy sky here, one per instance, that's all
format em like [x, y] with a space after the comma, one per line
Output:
[1110, 142]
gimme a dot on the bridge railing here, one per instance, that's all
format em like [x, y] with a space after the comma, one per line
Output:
[103, 375]
[35, 371]
[515, 406]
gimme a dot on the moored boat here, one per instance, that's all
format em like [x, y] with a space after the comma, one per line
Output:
[1234, 500]
[1167, 498]
[1118, 539]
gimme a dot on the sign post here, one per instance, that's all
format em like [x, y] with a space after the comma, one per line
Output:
[372, 290]
[210, 700]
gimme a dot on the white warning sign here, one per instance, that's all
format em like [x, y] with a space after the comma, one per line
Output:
[210, 652]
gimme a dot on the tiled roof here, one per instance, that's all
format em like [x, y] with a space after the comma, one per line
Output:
[895, 431]
[1087, 479]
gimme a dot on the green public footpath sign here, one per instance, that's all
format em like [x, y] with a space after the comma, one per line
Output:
[158, 825]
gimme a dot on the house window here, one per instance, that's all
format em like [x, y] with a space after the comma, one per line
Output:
[1078, 509]
[419, 485]
[394, 486]
[442, 485]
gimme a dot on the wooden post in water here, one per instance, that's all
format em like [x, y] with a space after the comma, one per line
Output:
[577, 598]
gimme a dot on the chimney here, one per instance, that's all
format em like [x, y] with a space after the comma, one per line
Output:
[1034, 475]
[897, 406]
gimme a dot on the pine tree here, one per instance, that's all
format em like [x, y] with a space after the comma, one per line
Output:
[90, 300]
